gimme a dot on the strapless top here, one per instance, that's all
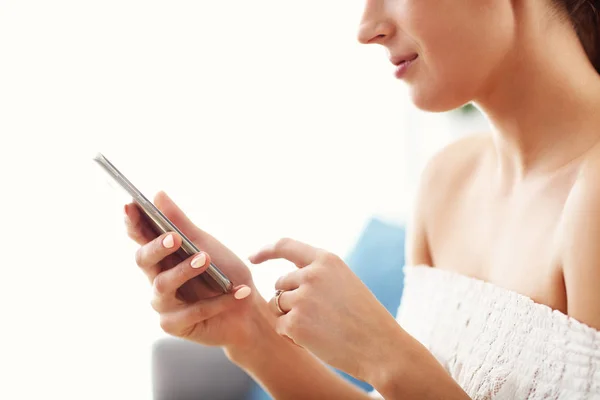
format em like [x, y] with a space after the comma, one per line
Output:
[496, 343]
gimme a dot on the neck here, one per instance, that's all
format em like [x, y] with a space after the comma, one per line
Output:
[543, 102]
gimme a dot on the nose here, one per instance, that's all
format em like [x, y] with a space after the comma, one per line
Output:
[374, 26]
[374, 32]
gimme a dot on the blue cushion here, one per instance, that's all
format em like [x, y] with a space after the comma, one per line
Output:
[377, 259]
[257, 393]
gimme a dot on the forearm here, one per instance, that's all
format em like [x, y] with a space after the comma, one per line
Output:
[289, 372]
[410, 371]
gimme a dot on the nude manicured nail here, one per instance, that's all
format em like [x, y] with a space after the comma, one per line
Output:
[242, 293]
[199, 261]
[168, 242]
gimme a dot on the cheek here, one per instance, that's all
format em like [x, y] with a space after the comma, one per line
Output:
[459, 59]
[444, 81]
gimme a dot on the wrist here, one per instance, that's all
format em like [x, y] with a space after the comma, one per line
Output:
[388, 364]
[259, 340]
[408, 370]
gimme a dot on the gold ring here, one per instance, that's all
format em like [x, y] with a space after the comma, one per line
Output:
[277, 296]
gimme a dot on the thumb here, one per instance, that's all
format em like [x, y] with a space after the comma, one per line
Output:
[168, 207]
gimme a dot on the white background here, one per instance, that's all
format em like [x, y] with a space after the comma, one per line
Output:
[262, 119]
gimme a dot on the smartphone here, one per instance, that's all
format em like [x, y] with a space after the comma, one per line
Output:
[161, 223]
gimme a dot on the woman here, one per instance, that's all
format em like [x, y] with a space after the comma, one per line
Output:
[502, 299]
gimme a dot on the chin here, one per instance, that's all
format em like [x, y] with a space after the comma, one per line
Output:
[437, 99]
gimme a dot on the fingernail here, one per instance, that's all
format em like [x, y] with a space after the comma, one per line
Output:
[168, 242]
[199, 261]
[242, 293]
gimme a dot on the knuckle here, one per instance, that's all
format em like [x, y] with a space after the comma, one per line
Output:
[293, 326]
[279, 282]
[283, 242]
[329, 258]
[130, 233]
[155, 303]
[128, 225]
[300, 304]
[309, 276]
[182, 272]
[139, 257]
[167, 325]
[304, 302]
[160, 284]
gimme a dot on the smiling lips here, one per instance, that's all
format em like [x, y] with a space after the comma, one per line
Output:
[402, 63]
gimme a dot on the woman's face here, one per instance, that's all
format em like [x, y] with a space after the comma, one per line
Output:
[460, 45]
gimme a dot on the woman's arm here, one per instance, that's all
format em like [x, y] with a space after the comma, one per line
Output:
[239, 320]
[287, 371]
[580, 254]
[366, 341]
[344, 326]
[411, 372]
[405, 370]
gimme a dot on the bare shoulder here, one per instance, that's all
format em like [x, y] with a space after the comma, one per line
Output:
[584, 200]
[580, 245]
[453, 164]
[445, 171]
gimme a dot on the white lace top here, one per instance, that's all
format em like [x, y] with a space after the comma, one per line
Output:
[498, 344]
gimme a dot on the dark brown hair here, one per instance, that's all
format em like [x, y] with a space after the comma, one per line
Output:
[585, 16]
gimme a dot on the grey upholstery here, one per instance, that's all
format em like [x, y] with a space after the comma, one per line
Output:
[183, 370]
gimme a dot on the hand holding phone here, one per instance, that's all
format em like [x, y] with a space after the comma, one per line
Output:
[235, 319]
[160, 223]
[204, 314]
